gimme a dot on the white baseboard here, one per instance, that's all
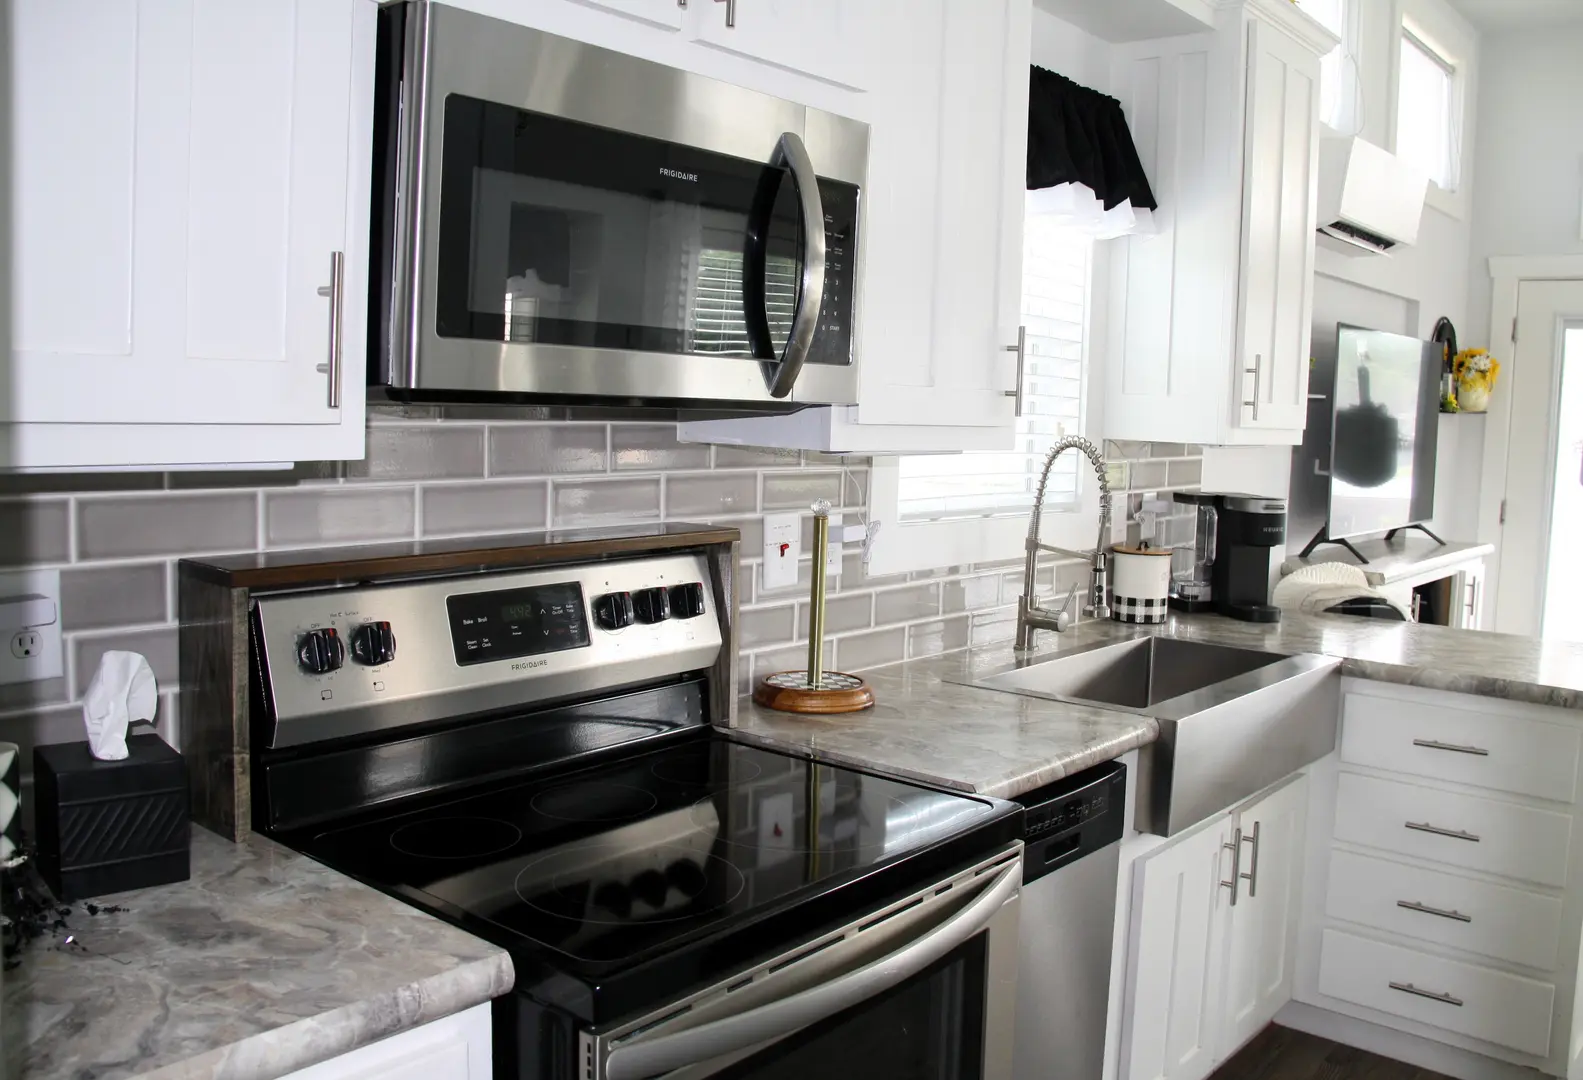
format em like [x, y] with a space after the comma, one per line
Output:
[1399, 1045]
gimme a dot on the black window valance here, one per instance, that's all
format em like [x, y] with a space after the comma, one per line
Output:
[1079, 136]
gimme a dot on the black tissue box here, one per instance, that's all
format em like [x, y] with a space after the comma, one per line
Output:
[107, 826]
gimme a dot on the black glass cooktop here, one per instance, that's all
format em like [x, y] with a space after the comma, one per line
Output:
[606, 866]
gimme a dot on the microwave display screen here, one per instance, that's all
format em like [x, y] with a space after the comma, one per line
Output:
[558, 232]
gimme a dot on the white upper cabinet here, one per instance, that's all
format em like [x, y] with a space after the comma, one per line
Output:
[821, 38]
[190, 219]
[941, 240]
[1210, 316]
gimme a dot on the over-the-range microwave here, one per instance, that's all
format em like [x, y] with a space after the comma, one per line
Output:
[559, 223]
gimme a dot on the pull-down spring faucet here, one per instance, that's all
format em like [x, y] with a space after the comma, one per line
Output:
[1030, 615]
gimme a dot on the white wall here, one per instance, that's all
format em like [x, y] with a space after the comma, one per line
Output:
[1530, 156]
[1427, 280]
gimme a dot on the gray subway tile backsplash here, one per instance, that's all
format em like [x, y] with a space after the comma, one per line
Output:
[34, 531]
[338, 516]
[95, 597]
[653, 448]
[711, 494]
[589, 502]
[136, 526]
[798, 490]
[492, 506]
[421, 452]
[545, 449]
[462, 471]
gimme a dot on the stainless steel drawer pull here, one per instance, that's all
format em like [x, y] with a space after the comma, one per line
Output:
[1021, 349]
[1455, 834]
[335, 292]
[1435, 744]
[1414, 905]
[1409, 988]
[1252, 876]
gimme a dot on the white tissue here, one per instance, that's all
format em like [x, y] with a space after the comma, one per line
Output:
[122, 691]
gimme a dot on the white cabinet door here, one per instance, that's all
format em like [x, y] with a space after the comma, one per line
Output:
[942, 285]
[822, 38]
[1467, 612]
[182, 177]
[1280, 147]
[670, 14]
[1262, 951]
[1176, 958]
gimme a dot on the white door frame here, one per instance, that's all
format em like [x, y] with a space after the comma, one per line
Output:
[1508, 272]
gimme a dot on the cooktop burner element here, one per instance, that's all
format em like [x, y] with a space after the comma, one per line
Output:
[739, 767]
[593, 801]
[677, 883]
[455, 838]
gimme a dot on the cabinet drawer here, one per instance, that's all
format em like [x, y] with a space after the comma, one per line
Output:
[1475, 1001]
[1461, 830]
[1492, 920]
[1507, 753]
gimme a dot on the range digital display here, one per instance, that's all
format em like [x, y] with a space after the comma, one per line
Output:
[517, 622]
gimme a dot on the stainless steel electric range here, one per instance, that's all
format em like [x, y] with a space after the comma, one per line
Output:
[528, 753]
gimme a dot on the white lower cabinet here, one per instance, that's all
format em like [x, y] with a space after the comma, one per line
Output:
[1443, 904]
[452, 1048]
[1212, 939]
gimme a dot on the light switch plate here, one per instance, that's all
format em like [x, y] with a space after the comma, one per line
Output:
[30, 647]
[782, 549]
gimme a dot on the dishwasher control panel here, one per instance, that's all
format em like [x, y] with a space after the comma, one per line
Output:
[1072, 817]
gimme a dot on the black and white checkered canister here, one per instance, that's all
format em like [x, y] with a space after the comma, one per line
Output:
[1131, 609]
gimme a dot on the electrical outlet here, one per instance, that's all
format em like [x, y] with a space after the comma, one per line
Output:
[832, 555]
[782, 549]
[30, 625]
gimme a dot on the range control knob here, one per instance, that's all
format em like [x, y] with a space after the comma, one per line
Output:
[373, 644]
[320, 651]
[687, 601]
[613, 610]
[653, 605]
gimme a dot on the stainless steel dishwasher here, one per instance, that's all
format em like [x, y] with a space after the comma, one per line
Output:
[1071, 860]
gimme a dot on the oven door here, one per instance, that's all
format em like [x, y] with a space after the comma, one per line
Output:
[594, 226]
[923, 989]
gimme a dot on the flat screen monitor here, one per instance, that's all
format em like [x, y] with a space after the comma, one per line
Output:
[1385, 425]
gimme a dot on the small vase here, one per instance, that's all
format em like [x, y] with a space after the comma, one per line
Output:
[1473, 398]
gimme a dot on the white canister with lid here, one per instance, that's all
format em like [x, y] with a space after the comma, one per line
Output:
[1140, 584]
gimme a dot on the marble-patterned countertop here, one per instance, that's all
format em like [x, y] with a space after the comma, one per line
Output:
[927, 726]
[264, 962]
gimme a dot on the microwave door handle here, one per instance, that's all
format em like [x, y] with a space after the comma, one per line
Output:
[790, 153]
[664, 1053]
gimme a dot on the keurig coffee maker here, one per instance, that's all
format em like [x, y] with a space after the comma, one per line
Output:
[1247, 528]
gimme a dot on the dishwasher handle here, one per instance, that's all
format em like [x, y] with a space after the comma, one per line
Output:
[1072, 818]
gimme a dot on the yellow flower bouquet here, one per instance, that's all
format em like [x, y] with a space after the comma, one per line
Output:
[1476, 371]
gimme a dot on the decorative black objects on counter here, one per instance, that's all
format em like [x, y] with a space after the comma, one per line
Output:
[107, 826]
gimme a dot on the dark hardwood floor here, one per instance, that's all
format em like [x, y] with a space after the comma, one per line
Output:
[1279, 1053]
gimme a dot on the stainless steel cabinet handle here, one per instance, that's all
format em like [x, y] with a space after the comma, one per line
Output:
[1021, 349]
[1414, 905]
[731, 12]
[1252, 876]
[336, 291]
[1455, 834]
[1436, 744]
[792, 155]
[1409, 988]
[1235, 847]
[665, 1053]
[1258, 362]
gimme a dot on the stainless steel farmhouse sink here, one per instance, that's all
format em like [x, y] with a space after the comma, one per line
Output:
[1232, 721]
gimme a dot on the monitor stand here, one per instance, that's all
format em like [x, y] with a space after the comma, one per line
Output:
[1421, 528]
[1320, 537]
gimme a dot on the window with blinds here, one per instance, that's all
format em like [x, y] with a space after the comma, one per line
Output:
[717, 325]
[1055, 303]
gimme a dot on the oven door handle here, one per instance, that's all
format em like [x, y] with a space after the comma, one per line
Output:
[663, 1053]
[781, 375]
